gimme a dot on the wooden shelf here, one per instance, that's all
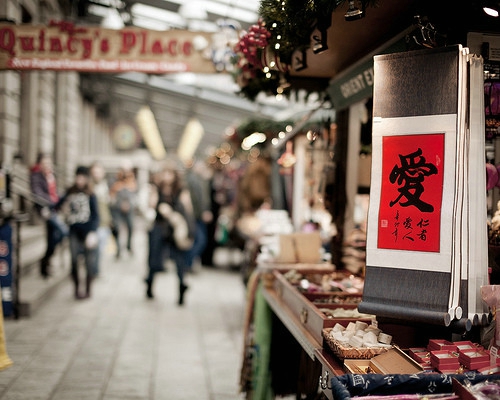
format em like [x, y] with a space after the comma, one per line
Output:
[330, 365]
[305, 339]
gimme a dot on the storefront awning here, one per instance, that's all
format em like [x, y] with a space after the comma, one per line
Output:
[356, 83]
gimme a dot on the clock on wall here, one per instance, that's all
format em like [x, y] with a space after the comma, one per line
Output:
[125, 137]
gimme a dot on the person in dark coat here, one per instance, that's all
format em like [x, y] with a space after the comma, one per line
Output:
[80, 206]
[173, 230]
[123, 194]
[45, 195]
[199, 189]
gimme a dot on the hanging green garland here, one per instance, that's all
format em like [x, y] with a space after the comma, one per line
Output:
[291, 22]
[284, 27]
[251, 73]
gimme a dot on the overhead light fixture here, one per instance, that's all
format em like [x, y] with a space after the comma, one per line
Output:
[252, 140]
[353, 12]
[113, 20]
[492, 8]
[148, 127]
[490, 11]
[159, 18]
[193, 10]
[246, 11]
[191, 138]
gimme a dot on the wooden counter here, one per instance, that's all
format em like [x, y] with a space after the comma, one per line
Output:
[330, 365]
[305, 339]
[301, 316]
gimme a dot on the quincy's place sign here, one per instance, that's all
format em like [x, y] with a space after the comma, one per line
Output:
[62, 46]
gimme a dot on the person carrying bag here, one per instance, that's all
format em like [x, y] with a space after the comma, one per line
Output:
[172, 233]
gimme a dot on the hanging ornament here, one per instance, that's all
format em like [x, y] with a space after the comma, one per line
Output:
[354, 13]
[320, 40]
[271, 59]
[299, 59]
[287, 159]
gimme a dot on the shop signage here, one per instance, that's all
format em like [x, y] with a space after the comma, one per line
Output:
[410, 207]
[62, 46]
[356, 83]
[426, 246]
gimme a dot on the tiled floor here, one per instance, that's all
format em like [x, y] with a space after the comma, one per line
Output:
[118, 345]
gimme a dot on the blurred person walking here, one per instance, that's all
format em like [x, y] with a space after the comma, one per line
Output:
[123, 202]
[101, 190]
[207, 257]
[79, 204]
[199, 190]
[173, 230]
[44, 189]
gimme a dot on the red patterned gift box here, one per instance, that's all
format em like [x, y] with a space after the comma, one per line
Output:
[467, 345]
[439, 344]
[418, 353]
[445, 360]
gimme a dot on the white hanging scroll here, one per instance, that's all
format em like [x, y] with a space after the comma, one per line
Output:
[424, 184]
[478, 255]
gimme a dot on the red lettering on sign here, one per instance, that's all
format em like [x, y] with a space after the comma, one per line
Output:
[411, 192]
[104, 46]
[8, 40]
[55, 45]
[187, 48]
[144, 37]
[41, 40]
[71, 42]
[157, 48]
[172, 47]
[128, 42]
[87, 48]
[27, 43]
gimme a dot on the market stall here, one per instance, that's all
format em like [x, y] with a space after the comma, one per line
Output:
[422, 305]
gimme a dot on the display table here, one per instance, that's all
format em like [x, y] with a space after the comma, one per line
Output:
[292, 323]
[299, 314]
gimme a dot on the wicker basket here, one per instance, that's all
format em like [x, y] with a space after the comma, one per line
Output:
[346, 351]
